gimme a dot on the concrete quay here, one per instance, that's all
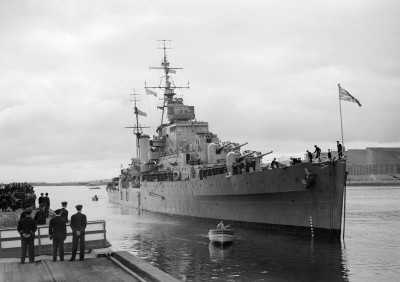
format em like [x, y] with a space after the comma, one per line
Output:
[99, 265]
[101, 262]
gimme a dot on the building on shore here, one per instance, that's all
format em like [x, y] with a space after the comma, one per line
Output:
[373, 164]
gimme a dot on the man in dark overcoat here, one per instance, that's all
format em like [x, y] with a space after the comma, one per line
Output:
[64, 212]
[58, 233]
[27, 228]
[41, 199]
[40, 216]
[47, 202]
[78, 226]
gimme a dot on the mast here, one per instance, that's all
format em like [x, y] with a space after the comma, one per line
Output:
[169, 85]
[137, 129]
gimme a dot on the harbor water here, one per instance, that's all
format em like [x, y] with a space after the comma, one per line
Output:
[180, 246]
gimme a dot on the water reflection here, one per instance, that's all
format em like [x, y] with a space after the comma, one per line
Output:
[182, 248]
[218, 252]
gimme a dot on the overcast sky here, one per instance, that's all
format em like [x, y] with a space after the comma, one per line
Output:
[263, 72]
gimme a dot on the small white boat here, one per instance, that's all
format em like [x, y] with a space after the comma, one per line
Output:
[95, 198]
[221, 236]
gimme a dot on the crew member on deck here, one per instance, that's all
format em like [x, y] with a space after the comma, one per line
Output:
[274, 164]
[329, 155]
[309, 154]
[317, 153]
[339, 150]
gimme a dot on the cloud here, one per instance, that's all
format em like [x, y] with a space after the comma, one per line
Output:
[260, 72]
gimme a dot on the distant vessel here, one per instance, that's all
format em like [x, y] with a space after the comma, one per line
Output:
[186, 170]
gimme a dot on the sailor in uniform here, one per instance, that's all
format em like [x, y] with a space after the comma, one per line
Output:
[64, 212]
[78, 226]
[27, 228]
[40, 216]
[41, 199]
[339, 150]
[58, 233]
[46, 200]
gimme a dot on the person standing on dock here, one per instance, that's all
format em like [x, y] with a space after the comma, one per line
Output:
[78, 226]
[13, 201]
[47, 202]
[64, 212]
[27, 228]
[40, 217]
[41, 199]
[58, 233]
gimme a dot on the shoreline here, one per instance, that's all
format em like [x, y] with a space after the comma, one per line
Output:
[372, 183]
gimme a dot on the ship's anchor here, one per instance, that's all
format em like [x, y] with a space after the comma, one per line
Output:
[309, 180]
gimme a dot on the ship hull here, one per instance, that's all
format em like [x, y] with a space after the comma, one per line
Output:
[270, 199]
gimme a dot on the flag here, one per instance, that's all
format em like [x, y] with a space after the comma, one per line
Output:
[344, 95]
[140, 113]
[150, 92]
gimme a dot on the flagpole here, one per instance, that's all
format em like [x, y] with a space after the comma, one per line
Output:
[341, 123]
[344, 189]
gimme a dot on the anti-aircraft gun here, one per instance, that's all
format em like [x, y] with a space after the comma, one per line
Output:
[239, 146]
[219, 150]
[260, 156]
[241, 158]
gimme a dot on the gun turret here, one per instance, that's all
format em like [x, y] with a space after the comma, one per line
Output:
[241, 158]
[260, 156]
[237, 147]
[221, 148]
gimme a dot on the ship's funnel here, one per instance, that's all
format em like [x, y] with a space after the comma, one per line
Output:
[144, 148]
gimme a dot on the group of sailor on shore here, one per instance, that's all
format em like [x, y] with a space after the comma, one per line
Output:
[27, 227]
[16, 195]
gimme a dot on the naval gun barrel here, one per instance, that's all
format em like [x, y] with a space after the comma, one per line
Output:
[237, 147]
[260, 156]
[221, 148]
[239, 159]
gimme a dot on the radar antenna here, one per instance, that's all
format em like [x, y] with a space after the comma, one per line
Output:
[168, 87]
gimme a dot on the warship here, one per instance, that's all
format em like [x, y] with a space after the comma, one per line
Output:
[186, 170]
